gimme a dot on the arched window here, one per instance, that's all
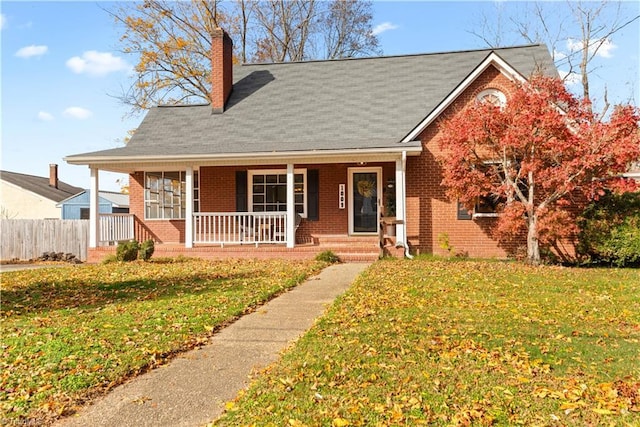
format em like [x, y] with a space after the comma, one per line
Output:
[492, 96]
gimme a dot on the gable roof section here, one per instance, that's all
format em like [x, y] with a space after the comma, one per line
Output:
[40, 185]
[349, 104]
[493, 59]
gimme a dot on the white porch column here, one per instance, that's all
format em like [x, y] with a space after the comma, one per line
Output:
[94, 219]
[401, 237]
[291, 207]
[188, 221]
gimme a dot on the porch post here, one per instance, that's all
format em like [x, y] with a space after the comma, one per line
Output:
[400, 200]
[94, 217]
[291, 206]
[188, 221]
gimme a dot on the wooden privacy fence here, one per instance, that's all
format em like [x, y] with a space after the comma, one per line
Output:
[29, 238]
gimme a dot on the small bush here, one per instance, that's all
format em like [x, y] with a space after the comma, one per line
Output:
[610, 230]
[328, 256]
[146, 250]
[110, 259]
[127, 251]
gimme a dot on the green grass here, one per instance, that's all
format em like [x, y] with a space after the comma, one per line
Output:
[462, 343]
[70, 333]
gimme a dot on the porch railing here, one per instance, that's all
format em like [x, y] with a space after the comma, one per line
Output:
[240, 228]
[115, 228]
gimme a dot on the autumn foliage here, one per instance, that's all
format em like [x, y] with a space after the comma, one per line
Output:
[543, 155]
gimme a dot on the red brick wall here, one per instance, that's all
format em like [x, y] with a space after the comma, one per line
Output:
[431, 216]
[218, 194]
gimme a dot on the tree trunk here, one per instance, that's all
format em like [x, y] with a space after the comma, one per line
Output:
[533, 246]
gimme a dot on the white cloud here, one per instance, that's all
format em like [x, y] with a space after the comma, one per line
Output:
[97, 63]
[569, 78]
[44, 116]
[381, 28]
[605, 47]
[3, 21]
[31, 51]
[77, 113]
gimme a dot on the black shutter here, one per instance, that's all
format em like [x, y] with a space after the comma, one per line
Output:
[242, 202]
[313, 195]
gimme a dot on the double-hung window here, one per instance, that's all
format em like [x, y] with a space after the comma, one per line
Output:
[489, 205]
[268, 191]
[165, 195]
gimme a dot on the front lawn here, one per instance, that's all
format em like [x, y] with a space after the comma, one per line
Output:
[69, 333]
[462, 343]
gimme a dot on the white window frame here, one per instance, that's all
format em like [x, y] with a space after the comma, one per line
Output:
[475, 207]
[254, 172]
[499, 95]
[182, 178]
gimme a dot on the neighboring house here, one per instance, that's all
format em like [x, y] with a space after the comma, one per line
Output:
[77, 206]
[33, 197]
[332, 141]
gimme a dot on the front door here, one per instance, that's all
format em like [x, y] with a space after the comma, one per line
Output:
[364, 196]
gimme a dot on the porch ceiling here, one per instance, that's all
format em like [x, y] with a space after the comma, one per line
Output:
[131, 163]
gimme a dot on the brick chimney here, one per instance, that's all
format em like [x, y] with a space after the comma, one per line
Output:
[221, 69]
[53, 175]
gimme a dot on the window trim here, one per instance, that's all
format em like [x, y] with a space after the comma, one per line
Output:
[182, 177]
[501, 97]
[252, 172]
[495, 214]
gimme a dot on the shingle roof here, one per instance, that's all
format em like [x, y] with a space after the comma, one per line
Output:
[316, 105]
[120, 200]
[40, 185]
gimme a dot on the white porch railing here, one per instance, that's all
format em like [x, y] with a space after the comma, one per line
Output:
[115, 228]
[240, 228]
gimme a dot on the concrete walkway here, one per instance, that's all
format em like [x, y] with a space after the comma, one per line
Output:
[192, 389]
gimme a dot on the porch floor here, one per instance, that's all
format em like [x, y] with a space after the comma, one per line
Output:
[348, 248]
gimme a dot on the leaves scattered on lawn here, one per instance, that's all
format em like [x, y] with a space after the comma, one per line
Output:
[69, 333]
[466, 343]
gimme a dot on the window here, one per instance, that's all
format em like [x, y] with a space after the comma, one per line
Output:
[490, 205]
[268, 191]
[463, 213]
[165, 195]
[492, 96]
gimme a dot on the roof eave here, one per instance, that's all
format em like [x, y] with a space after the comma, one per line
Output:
[306, 156]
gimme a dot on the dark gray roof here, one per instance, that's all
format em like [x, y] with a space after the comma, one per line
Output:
[316, 105]
[40, 185]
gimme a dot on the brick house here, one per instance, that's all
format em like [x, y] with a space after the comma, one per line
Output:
[311, 154]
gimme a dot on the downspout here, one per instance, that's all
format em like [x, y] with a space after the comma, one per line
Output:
[404, 204]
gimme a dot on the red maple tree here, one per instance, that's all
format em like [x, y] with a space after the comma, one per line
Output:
[535, 156]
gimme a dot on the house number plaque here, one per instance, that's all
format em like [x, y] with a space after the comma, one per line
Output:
[341, 196]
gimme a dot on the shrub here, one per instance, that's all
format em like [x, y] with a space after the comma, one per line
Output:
[110, 259]
[610, 230]
[127, 251]
[146, 250]
[328, 256]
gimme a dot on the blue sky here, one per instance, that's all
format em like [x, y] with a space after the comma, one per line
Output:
[61, 66]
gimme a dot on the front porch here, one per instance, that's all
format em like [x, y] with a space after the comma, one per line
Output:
[260, 208]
